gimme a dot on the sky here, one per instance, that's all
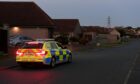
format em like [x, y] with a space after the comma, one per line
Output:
[93, 12]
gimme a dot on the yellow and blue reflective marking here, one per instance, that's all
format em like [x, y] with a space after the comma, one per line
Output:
[60, 55]
[47, 60]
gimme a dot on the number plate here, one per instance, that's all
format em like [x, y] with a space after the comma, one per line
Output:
[28, 59]
[29, 54]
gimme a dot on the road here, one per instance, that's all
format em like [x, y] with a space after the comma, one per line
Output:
[118, 65]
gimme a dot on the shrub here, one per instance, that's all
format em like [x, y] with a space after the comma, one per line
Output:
[62, 39]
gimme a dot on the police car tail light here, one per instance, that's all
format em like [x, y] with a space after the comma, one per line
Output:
[42, 53]
[19, 53]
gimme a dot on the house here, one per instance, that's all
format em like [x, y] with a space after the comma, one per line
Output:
[131, 32]
[89, 33]
[69, 27]
[101, 34]
[113, 35]
[137, 32]
[26, 18]
[108, 35]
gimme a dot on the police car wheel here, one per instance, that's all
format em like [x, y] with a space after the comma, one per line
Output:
[70, 59]
[53, 62]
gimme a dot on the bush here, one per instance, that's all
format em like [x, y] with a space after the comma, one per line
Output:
[74, 39]
[83, 41]
[62, 39]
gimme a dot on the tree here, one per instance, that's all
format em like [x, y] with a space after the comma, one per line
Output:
[129, 27]
[63, 39]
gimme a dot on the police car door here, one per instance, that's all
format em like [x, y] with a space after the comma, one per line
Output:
[63, 52]
[58, 52]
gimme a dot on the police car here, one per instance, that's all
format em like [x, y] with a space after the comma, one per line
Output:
[45, 52]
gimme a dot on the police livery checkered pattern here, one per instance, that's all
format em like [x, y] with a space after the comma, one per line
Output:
[60, 54]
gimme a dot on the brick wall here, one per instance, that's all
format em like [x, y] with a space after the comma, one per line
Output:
[31, 32]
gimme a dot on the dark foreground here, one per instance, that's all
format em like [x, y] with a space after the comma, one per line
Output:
[118, 65]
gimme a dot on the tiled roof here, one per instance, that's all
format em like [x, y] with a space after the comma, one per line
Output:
[88, 29]
[99, 30]
[66, 25]
[23, 14]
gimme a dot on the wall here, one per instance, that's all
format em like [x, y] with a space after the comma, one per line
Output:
[77, 30]
[31, 32]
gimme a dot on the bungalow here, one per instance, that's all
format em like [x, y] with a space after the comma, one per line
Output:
[26, 18]
[138, 32]
[101, 34]
[89, 33]
[113, 35]
[69, 27]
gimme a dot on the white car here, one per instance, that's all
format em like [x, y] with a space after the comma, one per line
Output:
[19, 40]
[45, 39]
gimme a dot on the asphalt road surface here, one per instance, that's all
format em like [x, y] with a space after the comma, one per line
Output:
[118, 65]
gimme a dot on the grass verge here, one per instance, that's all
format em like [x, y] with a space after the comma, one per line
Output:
[109, 45]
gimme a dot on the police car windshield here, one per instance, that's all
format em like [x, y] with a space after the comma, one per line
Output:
[33, 46]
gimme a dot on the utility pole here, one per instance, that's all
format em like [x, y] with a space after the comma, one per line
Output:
[109, 22]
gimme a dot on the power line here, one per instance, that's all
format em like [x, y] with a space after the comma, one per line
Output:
[109, 22]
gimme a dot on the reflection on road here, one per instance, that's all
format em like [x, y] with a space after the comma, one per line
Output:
[26, 76]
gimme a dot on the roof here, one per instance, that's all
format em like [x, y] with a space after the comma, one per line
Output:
[99, 30]
[88, 29]
[23, 14]
[66, 25]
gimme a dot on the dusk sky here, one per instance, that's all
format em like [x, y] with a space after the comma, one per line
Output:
[93, 12]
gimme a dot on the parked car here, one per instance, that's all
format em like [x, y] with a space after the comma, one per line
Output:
[19, 40]
[45, 39]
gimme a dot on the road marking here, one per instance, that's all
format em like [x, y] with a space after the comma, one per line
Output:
[130, 71]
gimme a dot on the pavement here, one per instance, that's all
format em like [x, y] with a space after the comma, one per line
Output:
[8, 61]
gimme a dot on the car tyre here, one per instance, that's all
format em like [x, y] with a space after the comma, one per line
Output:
[70, 59]
[53, 62]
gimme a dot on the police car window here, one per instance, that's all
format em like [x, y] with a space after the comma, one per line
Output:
[32, 46]
[59, 45]
[53, 46]
[48, 45]
[20, 38]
